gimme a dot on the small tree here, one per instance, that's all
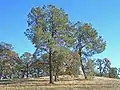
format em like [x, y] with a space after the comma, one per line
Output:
[27, 60]
[107, 66]
[99, 64]
[8, 58]
[72, 64]
[103, 66]
[113, 72]
[90, 69]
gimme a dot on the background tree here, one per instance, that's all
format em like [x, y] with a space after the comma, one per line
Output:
[99, 64]
[90, 71]
[106, 68]
[8, 58]
[40, 65]
[103, 66]
[27, 60]
[72, 64]
[59, 61]
[113, 72]
[118, 71]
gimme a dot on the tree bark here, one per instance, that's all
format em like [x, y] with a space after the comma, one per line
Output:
[50, 66]
[82, 66]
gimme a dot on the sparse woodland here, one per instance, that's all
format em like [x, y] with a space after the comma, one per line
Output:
[62, 47]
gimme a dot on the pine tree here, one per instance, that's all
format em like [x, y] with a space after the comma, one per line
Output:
[88, 42]
[49, 29]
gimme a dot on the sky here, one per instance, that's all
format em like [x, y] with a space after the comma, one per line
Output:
[104, 15]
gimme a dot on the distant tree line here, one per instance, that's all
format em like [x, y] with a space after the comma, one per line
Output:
[37, 65]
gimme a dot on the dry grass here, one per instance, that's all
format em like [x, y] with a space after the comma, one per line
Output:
[65, 82]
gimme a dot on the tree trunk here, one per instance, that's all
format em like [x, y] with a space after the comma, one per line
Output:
[23, 73]
[1, 73]
[101, 72]
[27, 70]
[82, 66]
[56, 73]
[38, 72]
[100, 68]
[50, 66]
[56, 76]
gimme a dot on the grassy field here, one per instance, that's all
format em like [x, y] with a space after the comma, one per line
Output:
[64, 83]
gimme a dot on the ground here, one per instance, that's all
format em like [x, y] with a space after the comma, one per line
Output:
[63, 82]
